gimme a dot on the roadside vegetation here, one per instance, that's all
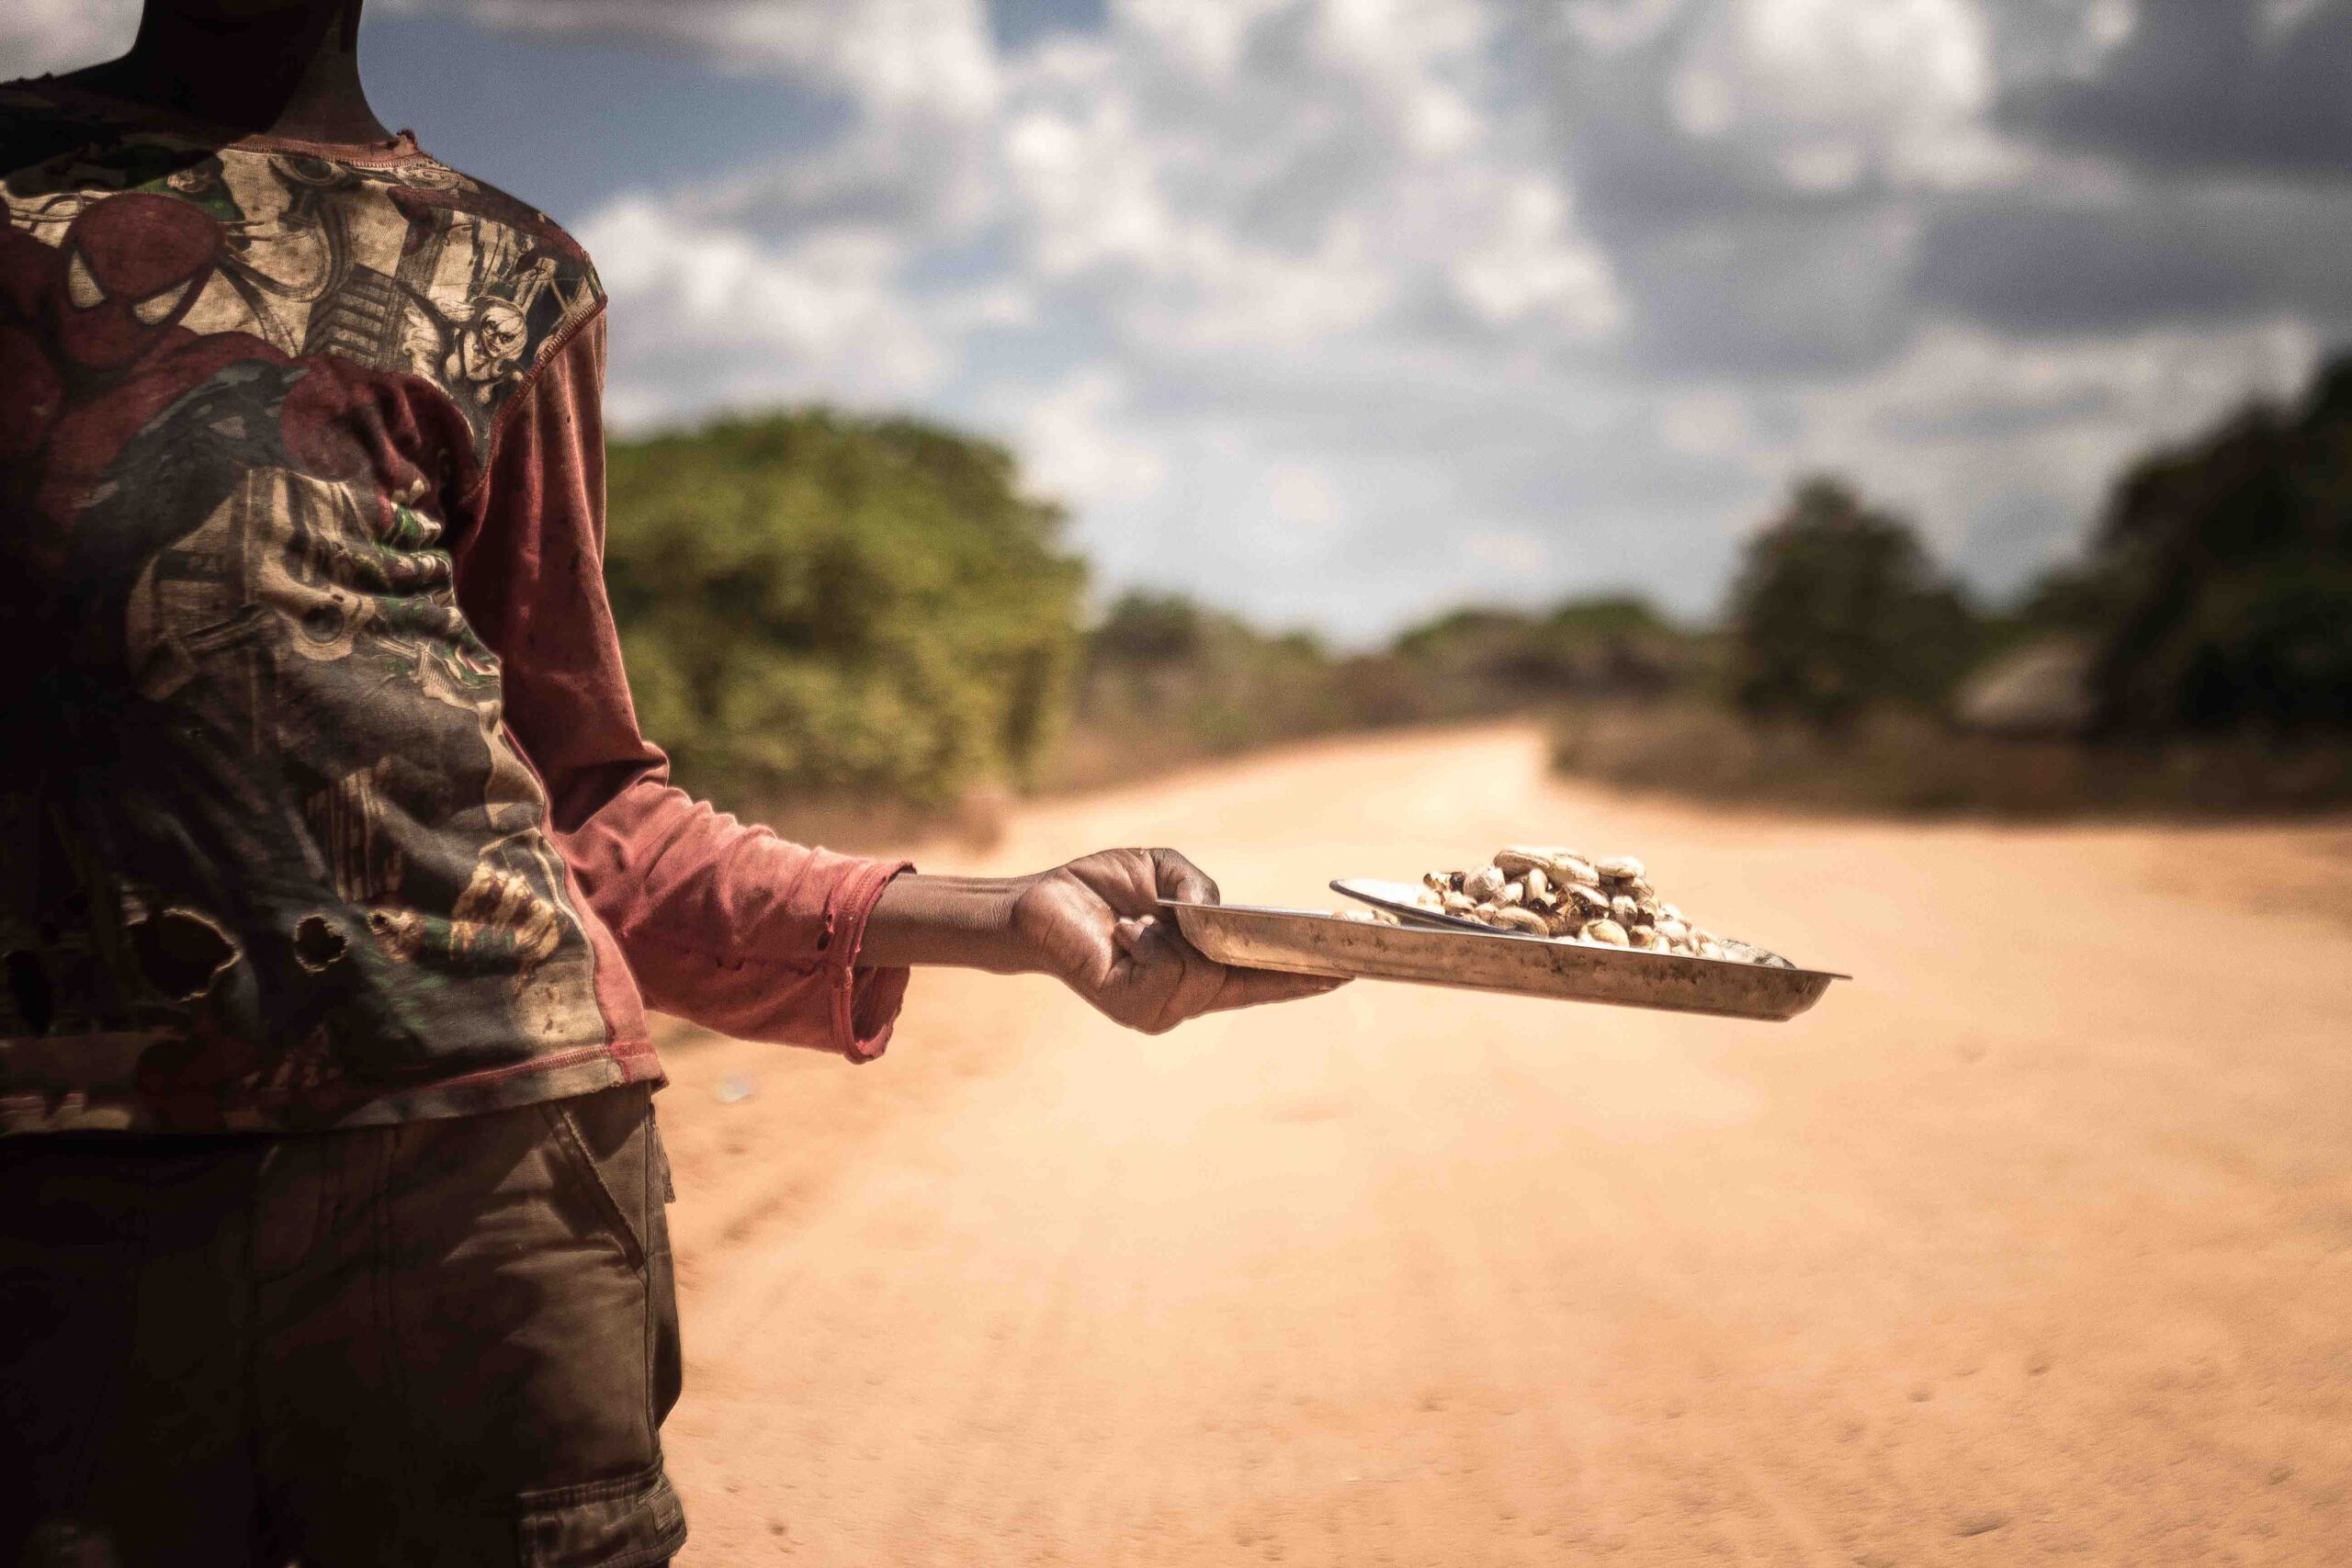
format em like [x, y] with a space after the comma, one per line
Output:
[1165, 681]
[816, 607]
[2198, 659]
[868, 626]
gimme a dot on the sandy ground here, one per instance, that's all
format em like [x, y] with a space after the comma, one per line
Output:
[2032, 1245]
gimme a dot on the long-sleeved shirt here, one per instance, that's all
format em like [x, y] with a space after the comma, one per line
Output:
[323, 800]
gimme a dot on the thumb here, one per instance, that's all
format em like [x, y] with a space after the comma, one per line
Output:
[1133, 933]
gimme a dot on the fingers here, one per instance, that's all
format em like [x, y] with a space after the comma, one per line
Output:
[1253, 988]
[1196, 984]
[1160, 979]
[1192, 981]
[1181, 879]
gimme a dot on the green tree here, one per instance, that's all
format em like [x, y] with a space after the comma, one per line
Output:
[817, 604]
[1837, 607]
[1163, 671]
[2220, 577]
[1486, 657]
[1142, 627]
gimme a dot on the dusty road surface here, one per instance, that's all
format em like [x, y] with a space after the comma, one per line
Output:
[2033, 1245]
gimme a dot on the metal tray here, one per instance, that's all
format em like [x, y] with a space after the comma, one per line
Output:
[1309, 941]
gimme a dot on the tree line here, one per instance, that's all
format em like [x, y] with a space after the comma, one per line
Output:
[2214, 598]
[817, 604]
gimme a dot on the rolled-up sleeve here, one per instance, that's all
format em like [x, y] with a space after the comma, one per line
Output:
[722, 922]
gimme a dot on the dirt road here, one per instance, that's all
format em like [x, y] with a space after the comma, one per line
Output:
[2033, 1245]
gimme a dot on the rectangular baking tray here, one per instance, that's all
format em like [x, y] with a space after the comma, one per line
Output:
[1308, 941]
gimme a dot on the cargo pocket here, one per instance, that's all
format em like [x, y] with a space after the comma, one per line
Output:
[604, 1144]
[634, 1521]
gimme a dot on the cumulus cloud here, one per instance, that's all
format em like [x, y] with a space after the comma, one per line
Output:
[1968, 431]
[1828, 93]
[1077, 448]
[1337, 310]
[745, 324]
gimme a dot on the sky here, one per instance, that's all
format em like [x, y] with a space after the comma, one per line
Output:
[1339, 311]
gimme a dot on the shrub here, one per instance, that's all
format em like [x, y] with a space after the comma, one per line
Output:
[1837, 609]
[2222, 578]
[813, 604]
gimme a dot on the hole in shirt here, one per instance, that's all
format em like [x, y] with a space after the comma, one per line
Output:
[182, 953]
[317, 945]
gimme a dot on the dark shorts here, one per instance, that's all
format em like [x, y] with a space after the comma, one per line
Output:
[446, 1342]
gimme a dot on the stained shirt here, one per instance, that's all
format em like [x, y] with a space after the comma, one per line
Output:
[322, 799]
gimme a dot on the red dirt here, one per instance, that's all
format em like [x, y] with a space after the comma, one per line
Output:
[2032, 1245]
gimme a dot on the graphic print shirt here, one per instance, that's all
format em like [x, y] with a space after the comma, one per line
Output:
[322, 799]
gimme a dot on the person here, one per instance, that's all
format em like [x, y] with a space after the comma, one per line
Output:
[337, 874]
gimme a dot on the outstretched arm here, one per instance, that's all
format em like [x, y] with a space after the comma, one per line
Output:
[726, 923]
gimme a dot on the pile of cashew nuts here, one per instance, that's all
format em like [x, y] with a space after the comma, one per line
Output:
[1547, 891]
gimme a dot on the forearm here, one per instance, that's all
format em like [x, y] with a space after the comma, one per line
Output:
[964, 921]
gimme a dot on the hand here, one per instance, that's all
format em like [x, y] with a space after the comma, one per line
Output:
[1095, 924]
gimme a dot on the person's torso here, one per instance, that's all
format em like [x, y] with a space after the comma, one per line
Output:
[271, 857]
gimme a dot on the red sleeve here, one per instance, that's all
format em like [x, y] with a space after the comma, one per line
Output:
[723, 923]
